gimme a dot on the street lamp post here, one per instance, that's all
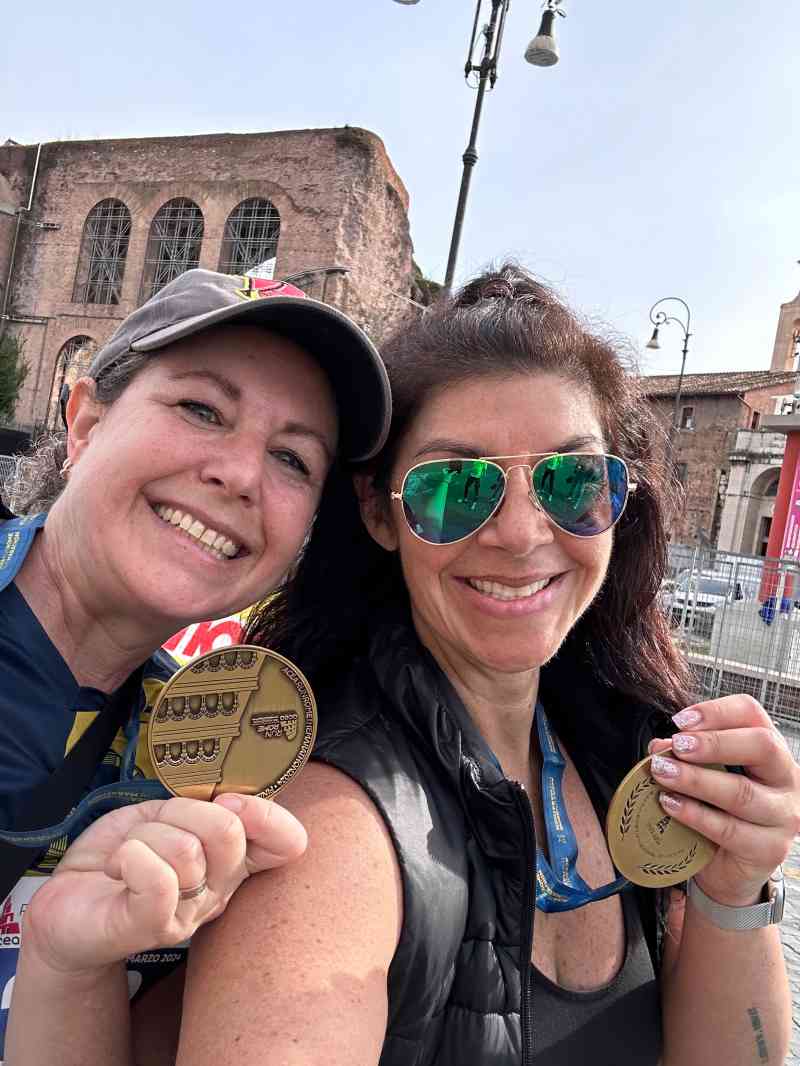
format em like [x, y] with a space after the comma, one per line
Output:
[660, 318]
[541, 52]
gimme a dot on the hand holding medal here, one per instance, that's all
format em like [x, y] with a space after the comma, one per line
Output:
[735, 827]
[647, 845]
[233, 726]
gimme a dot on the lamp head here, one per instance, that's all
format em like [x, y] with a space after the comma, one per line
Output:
[653, 342]
[543, 50]
[406, 1]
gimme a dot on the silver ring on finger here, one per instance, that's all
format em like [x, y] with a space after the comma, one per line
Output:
[194, 892]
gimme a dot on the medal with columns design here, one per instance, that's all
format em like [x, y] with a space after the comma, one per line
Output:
[242, 719]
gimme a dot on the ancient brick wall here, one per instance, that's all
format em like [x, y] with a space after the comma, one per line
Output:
[704, 449]
[16, 170]
[339, 198]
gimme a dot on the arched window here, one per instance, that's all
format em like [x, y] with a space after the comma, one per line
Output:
[772, 488]
[104, 247]
[251, 238]
[71, 363]
[173, 246]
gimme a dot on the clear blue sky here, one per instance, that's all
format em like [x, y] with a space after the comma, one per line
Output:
[660, 157]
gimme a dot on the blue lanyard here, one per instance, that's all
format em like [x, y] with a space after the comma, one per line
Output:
[16, 537]
[93, 806]
[559, 886]
[130, 788]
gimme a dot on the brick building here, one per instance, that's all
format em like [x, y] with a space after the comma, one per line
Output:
[90, 229]
[729, 467]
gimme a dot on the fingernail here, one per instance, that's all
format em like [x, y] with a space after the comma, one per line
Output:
[231, 802]
[669, 802]
[684, 742]
[687, 719]
[662, 767]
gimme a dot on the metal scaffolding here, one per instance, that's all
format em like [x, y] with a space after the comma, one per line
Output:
[176, 236]
[251, 236]
[104, 248]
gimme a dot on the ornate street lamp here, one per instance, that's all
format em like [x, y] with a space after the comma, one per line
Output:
[541, 52]
[660, 318]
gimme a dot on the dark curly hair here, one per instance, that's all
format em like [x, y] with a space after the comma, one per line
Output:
[503, 322]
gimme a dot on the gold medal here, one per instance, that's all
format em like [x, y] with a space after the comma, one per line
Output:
[239, 720]
[646, 844]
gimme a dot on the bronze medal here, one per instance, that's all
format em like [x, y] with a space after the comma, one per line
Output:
[239, 720]
[647, 845]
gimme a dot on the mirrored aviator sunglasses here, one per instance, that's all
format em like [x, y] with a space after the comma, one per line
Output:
[447, 500]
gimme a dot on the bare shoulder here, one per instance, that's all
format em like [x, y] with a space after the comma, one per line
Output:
[302, 948]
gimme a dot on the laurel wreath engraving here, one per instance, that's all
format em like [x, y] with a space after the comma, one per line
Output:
[658, 870]
[626, 817]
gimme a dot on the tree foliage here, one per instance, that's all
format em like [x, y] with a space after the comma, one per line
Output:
[423, 290]
[13, 371]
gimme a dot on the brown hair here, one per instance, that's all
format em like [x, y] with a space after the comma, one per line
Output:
[504, 322]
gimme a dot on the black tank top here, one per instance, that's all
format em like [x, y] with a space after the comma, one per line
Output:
[615, 1025]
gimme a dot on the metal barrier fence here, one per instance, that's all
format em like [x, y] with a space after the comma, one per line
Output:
[17, 476]
[9, 469]
[737, 618]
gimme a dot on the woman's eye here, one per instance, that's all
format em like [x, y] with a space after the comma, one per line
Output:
[292, 460]
[201, 411]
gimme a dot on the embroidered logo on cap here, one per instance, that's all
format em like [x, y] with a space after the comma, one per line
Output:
[257, 288]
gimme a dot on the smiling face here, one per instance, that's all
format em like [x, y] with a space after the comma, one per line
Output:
[505, 598]
[190, 495]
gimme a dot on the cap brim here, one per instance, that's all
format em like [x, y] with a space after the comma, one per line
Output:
[348, 357]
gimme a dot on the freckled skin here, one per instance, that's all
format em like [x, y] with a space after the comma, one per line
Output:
[231, 468]
[502, 416]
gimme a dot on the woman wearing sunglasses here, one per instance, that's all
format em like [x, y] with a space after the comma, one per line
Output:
[490, 661]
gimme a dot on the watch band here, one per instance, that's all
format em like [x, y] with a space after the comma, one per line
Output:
[758, 916]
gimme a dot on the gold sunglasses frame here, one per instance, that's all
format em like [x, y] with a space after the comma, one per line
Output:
[540, 458]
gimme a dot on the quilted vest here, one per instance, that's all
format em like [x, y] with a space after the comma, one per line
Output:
[464, 839]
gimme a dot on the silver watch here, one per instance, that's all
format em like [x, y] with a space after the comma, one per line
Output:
[768, 912]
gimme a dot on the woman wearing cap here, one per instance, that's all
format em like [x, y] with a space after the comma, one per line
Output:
[197, 449]
[489, 666]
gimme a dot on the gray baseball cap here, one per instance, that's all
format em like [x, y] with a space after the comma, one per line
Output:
[199, 299]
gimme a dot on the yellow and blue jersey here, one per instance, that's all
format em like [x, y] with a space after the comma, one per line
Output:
[43, 713]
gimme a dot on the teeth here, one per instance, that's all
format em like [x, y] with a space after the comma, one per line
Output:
[220, 546]
[508, 592]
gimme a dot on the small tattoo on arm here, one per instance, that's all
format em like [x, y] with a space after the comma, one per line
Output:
[758, 1030]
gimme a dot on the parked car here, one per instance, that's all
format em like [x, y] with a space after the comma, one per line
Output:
[697, 595]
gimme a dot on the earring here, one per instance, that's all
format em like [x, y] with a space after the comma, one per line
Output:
[66, 466]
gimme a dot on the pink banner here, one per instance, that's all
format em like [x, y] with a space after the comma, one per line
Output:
[791, 534]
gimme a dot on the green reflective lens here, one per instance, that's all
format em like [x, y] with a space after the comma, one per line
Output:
[583, 494]
[447, 499]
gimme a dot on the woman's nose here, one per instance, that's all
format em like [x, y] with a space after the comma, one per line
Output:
[237, 467]
[519, 525]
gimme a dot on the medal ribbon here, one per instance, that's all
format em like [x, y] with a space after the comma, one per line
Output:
[129, 789]
[559, 886]
[98, 802]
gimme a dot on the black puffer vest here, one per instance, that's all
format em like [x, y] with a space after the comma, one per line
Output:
[464, 838]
